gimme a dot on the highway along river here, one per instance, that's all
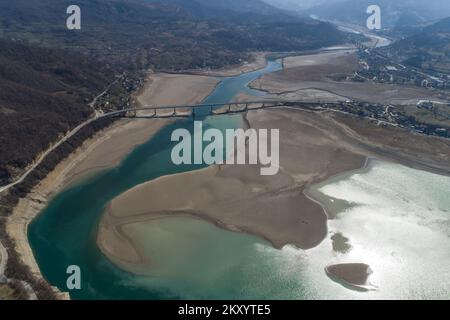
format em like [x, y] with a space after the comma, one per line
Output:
[64, 233]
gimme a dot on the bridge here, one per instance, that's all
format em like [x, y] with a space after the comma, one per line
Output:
[174, 111]
[177, 111]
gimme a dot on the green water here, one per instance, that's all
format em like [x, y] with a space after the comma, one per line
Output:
[65, 232]
[396, 219]
[191, 258]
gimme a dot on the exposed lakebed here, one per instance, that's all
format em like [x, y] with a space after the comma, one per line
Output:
[402, 239]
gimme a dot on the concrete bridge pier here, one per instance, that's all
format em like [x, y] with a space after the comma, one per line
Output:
[130, 114]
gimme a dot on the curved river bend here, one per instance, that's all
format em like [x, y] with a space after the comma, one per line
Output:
[402, 232]
[65, 232]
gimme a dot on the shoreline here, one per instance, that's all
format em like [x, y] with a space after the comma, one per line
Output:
[321, 202]
[72, 172]
[353, 276]
[63, 176]
[137, 210]
[302, 73]
[259, 61]
[100, 152]
[238, 185]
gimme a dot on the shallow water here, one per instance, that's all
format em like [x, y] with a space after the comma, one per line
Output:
[397, 220]
[64, 233]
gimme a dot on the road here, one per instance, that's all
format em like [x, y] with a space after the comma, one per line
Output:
[3, 259]
[268, 104]
[74, 131]
[47, 152]
[97, 115]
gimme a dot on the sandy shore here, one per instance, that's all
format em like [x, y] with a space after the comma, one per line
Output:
[313, 148]
[171, 89]
[238, 198]
[106, 149]
[98, 153]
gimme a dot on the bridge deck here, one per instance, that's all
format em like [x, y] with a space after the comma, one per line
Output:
[210, 108]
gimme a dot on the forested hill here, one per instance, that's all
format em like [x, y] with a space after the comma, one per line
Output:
[161, 34]
[43, 93]
[48, 73]
[229, 9]
[428, 49]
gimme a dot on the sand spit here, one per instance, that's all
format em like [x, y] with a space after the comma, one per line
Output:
[106, 149]
[313, 148]
[172, 89]
[238, 197]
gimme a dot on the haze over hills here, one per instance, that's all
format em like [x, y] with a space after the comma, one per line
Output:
[395, 13]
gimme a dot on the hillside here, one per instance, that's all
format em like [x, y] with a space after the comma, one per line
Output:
[228, 9]
[43, 94]
[48, 73]
[395, 13]
[428, 49]
[168, 35]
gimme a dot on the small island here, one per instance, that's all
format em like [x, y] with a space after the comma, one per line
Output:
[354, 276]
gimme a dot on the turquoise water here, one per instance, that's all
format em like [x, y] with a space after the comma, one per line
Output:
[396, 219]
[65, 232]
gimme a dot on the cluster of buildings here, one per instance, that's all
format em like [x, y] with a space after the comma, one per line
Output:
[392, 115]
[378, 68]
[118, 95]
